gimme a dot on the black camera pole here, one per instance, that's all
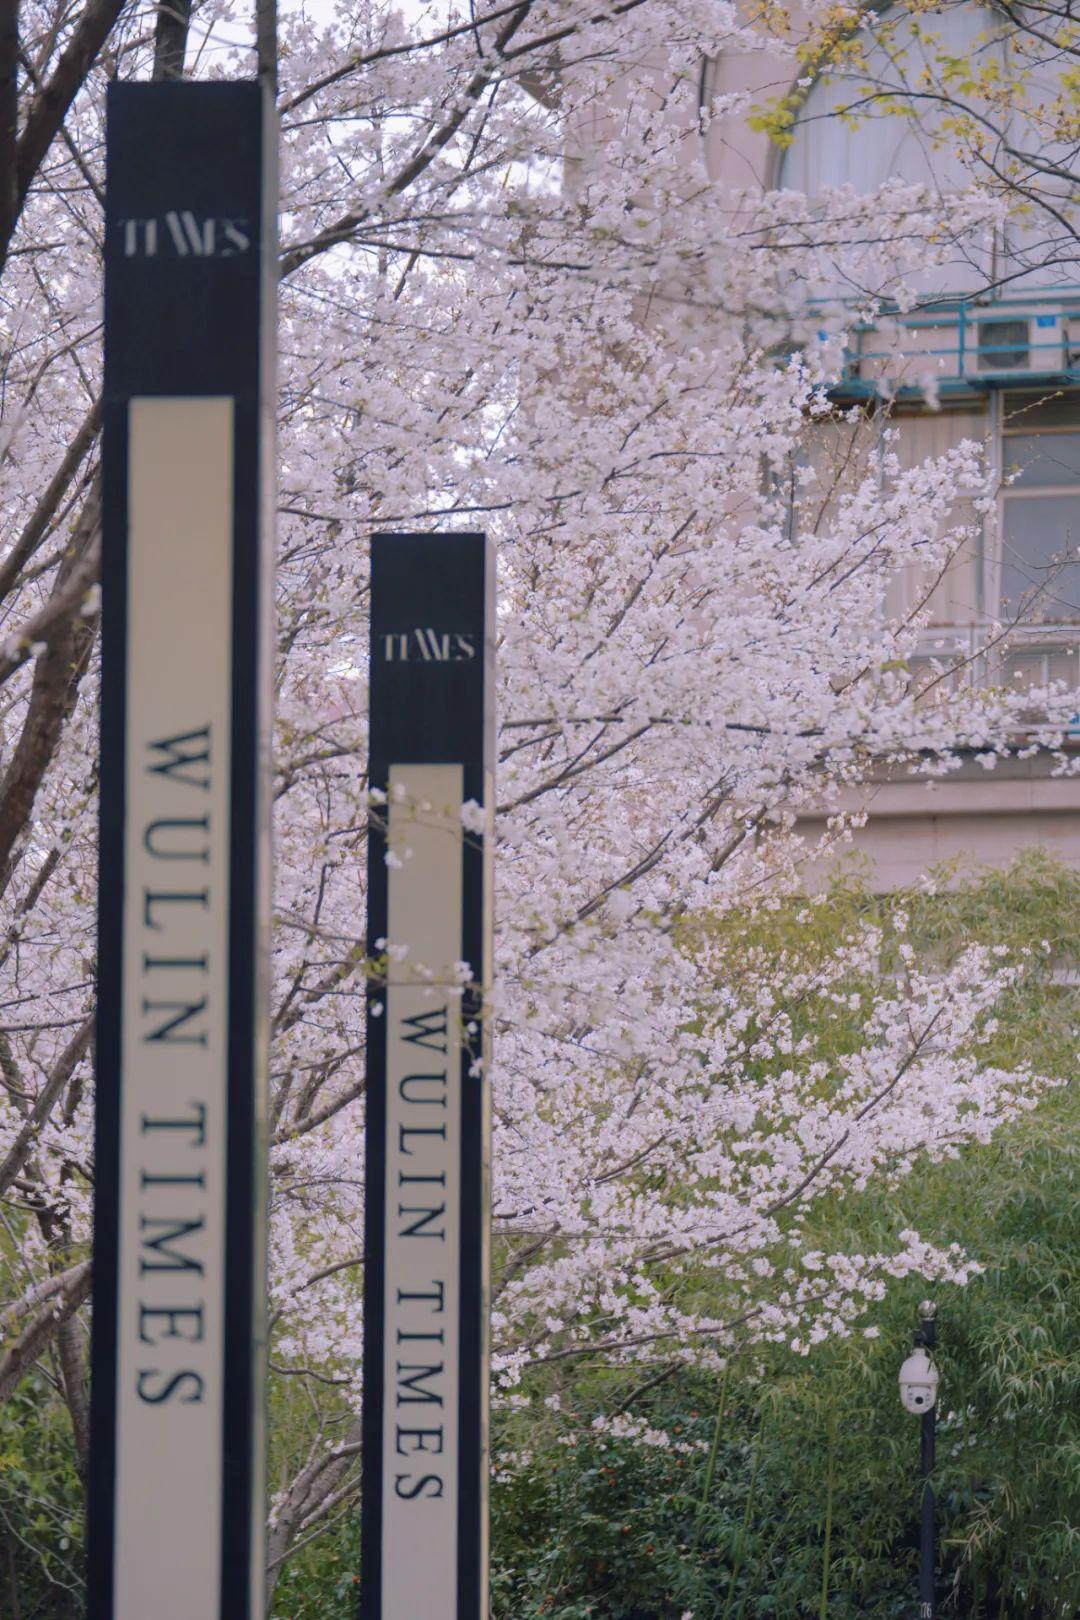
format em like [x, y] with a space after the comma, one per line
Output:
[926, 1338]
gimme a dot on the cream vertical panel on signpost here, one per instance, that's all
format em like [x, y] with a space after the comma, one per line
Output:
[174, 1070]
[176, 1481]
[427, 1203]
[422, 1313]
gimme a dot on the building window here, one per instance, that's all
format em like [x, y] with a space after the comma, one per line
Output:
[1028, 576]
[1040, 509]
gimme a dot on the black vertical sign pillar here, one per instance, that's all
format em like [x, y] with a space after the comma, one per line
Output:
[425, 1456]
[176, 1487]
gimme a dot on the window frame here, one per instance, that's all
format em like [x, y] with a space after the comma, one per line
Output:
[1046, 630]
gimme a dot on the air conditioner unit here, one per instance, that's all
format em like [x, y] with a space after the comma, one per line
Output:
[1008, 344]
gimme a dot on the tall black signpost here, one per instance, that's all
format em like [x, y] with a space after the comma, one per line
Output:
[425, 1463]
[176, 1486]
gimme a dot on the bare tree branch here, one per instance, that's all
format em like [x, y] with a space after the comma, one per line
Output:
[38, 523]
[26, 1139]
[68, 635]
[9, 115]
[65, 1295]
[170, 38]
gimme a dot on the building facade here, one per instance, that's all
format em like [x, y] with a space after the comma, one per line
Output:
[989, 351]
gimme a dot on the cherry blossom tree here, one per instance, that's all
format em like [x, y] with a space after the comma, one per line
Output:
[511, 298]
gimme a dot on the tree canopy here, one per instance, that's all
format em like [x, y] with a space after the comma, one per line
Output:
[511, 297]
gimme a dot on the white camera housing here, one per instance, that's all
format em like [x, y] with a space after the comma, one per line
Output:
[918, 1383]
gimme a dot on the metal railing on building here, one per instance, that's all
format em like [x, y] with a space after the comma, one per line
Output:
[965, 345]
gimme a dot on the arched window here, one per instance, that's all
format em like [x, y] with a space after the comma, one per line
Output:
[843, 137]
[893, 114]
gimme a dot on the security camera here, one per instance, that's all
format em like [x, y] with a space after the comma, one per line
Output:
[918, 1382]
